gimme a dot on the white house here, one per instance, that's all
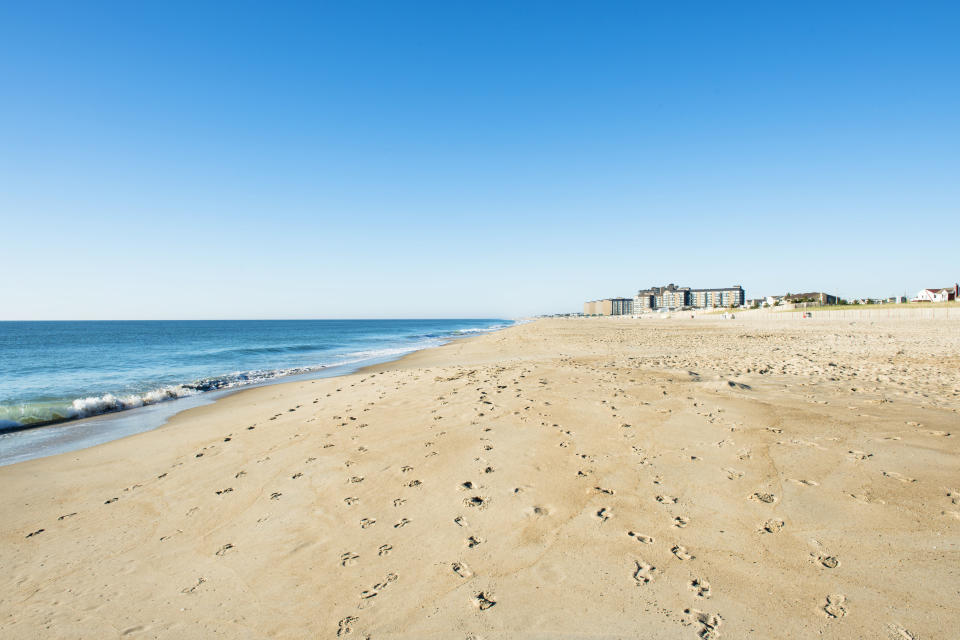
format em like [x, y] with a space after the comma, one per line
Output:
[937, 295]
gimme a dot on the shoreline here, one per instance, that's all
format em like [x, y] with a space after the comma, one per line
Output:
[560, 478]
[139, 420]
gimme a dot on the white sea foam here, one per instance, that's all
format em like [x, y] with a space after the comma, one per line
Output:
[86, 407]
[480, 330]
[15, 416]
[95, 405]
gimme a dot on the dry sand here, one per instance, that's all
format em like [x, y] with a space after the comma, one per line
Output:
[566, 478]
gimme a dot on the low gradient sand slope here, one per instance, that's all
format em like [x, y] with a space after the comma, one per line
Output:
[565, 478]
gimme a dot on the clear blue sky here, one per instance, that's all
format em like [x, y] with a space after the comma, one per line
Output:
[267, 159]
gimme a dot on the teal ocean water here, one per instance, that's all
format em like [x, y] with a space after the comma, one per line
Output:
[57, 372]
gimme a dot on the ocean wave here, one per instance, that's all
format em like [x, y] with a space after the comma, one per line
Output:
[85, 407]
[253, 351]
[13, 417]
[480, 329]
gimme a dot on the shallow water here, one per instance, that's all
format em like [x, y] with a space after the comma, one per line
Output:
[58, 372]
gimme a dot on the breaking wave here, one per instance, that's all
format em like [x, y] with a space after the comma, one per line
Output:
[18, 416]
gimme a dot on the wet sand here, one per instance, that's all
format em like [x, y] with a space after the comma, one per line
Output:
[593, 478]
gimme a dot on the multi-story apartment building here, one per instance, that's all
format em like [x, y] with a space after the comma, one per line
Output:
[642, 302]
[621, 306]
[674, 297]
[608, 307]
[661, 297]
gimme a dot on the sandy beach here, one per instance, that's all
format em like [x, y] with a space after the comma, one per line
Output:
[567, 478]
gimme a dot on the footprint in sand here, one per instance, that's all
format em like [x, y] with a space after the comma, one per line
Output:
[666, 500]
[351, 500]
[398, 502]
[377, 588]
[772, 526]
[643, 573]
[70, 515]
[858, 455]
[760, 496]
[604, 514]
[476, 501]
[896, 632]
[680, 522]
[898, 476]
[701, 586]
[641, 538]
[474, 541]
[35, 533]
[461, 569]
[709, 623]
[402, 523]
[365, 523]
[384, 550]
[681, 552]
[344, 627]
[348, 559]
[223, 550]
[193, 589]
[483, 601]
[834, 607]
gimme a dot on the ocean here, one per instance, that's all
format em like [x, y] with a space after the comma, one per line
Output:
[58, 372]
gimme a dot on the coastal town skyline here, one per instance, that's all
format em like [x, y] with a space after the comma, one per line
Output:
[671, 297]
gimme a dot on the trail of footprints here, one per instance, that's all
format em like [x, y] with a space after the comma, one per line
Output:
[642, 573]
[481, 600]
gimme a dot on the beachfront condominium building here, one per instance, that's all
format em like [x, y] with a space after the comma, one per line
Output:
[674, 297]
[608, 307]
[621, 306]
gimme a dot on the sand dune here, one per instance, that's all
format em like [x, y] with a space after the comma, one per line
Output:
[565, 478]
